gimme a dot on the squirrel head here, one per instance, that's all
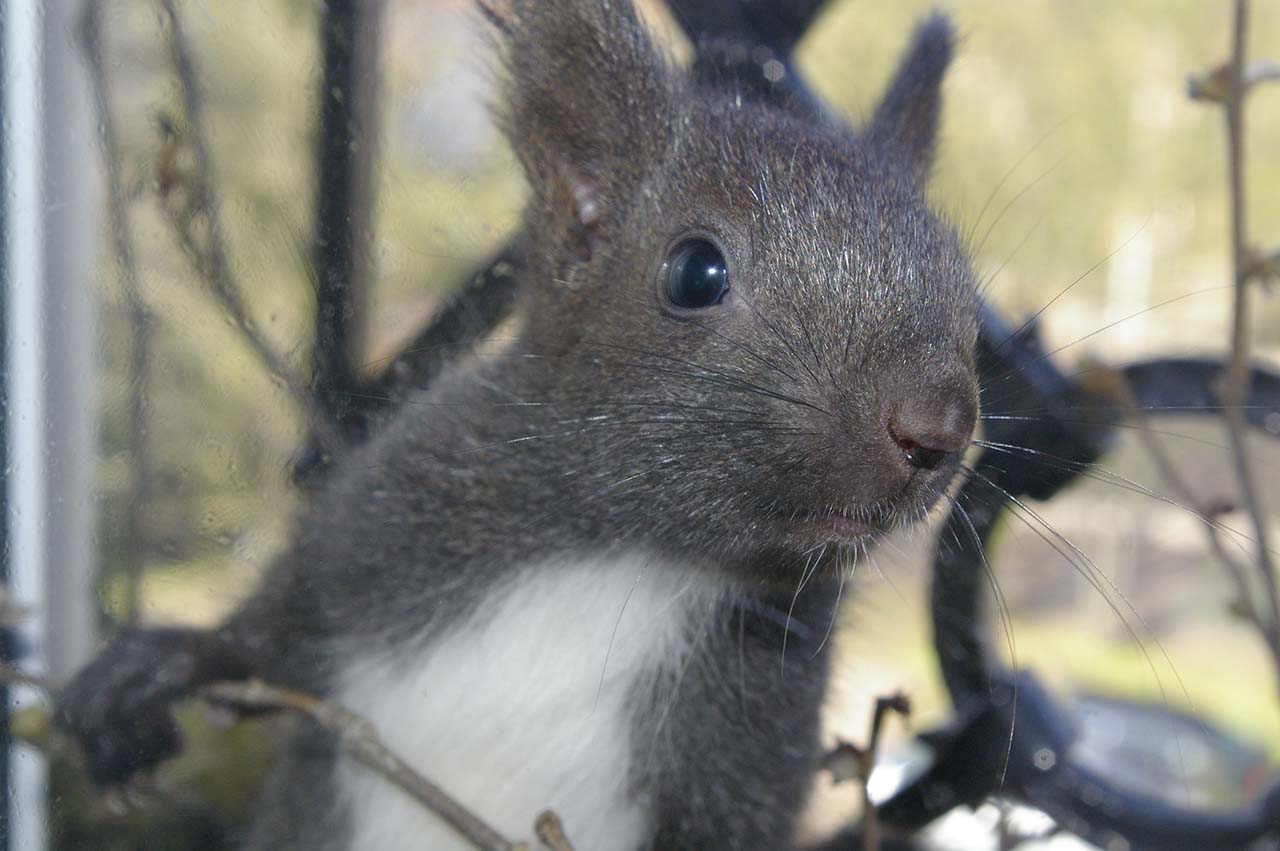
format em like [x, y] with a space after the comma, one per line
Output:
[770, 327]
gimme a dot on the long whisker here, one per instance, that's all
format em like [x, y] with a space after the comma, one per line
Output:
[779, 335]
[1169, 409]
[810, 567]
[1046, 355]
[1109, 477]
[1006, 619]
[1048, 134]
[1090, 568]
[1133, 426]
[647, 305]
[714, 377]
[747, 350]
[1027, 323]
[603, 421]
[690, 653]
[835, 611]
[988, 280]
[1015, 199]
[614, 634]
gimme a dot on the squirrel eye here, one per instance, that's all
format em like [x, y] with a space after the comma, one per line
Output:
[695, 275]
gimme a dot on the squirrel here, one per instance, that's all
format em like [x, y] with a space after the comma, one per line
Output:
[593, 573]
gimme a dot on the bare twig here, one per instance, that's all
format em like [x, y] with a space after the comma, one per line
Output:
[551, 832]
[850, 762]
[360, 740]
[1216, 85]
[140, 318]
[209, 255]
[871, 818]
[1235, 389]
[1245, 604]
[1228, 85]
[357, 737]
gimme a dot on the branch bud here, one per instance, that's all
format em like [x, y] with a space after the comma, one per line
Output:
[1215, 86]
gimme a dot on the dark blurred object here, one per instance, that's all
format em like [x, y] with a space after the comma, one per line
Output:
[346, 146]
[747, 44]
[1010, 738]
[780, 24]
[1160, 752]
[470, 314]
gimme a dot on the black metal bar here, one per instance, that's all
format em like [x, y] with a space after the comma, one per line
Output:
[345, 141]
[474, 309]
[471, 312]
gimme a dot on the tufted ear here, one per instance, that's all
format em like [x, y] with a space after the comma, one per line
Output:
[587, 103]
[906, 121]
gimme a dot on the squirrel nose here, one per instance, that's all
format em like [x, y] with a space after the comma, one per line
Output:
[932, 428]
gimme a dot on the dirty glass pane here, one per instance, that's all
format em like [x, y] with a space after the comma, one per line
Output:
[247, 247]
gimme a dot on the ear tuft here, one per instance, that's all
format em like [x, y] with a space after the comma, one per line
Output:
[906, 121]
[587, 100]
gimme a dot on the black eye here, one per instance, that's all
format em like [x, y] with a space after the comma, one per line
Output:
[695, 275]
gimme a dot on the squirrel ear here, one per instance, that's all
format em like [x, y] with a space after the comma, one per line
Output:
[587, 101]
[906, 121]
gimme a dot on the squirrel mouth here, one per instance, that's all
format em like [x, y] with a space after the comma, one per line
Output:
[833, 527]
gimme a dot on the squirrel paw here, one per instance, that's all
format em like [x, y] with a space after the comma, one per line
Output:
[120, 706]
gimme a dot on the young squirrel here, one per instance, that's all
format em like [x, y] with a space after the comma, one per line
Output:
[593, 573]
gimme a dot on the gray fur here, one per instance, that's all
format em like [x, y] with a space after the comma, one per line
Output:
[614, 422]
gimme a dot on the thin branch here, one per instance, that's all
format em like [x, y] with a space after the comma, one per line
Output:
[473, 311]
[209, 256]
[139, 315]
[850, 762]
[1216, 85]
[1245, 603]
[871, 817]
[360, 740]
[1235, 390]
[551, 832]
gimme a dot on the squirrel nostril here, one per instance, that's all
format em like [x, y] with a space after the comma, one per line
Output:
[921, 457]
[930, 434]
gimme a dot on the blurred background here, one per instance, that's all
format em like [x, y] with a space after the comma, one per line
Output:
[1070, 154]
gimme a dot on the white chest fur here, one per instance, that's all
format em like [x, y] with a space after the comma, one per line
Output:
[516, 710]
